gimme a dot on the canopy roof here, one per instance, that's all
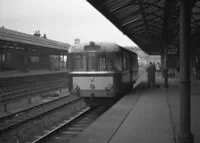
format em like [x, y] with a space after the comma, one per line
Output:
[148, 23]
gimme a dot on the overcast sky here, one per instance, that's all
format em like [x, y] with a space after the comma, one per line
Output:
[61, 20]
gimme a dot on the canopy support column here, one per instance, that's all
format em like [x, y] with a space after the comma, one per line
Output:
[166, 85]
[185, 135]
[162, 63]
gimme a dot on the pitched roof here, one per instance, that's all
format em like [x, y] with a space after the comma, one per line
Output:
[18, 37]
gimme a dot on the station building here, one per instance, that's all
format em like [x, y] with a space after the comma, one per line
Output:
[24, 52]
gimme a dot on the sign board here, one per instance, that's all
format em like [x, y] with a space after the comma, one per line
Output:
[172, 50]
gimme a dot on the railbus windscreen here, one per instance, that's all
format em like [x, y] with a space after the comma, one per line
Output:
[92, 62]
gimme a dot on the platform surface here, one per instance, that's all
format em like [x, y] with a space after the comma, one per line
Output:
[145, 116]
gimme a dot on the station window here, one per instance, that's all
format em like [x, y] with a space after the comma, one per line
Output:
[65, 58]
[35, 59]
[2, 57]
[9, 57]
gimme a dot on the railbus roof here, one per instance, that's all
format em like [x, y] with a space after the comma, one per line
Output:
[97, 46]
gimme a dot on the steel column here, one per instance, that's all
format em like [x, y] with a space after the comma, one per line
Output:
[162, 63]
[185, 135]
[166, 85]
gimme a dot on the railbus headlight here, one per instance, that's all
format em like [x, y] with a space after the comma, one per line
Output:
[92, 86]
[76, 87]
[108, 87]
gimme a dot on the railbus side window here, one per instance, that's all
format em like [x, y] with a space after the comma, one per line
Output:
[134, 62]
[91, 62]
[124, 62]
[112, 62]
[102, 64]
[84, 63]
[128, 62]
[118, 62]
[76, 63]
[109, 65]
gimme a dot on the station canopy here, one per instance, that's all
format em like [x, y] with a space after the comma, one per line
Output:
[150, 24]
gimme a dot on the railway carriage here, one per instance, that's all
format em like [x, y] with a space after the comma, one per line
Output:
[101, 70]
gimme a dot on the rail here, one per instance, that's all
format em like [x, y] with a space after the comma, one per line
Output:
[66, 122]
[17, 118]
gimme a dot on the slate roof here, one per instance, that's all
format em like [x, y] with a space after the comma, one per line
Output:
[19, 37]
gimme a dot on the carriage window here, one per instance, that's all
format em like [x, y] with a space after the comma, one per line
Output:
[124, 62]
[134, 65]
[94, 62]
[84, 63]
[109, 62]
[102, 64]
[109, 65]
[76, 63]
[91, 63]
[128, 63]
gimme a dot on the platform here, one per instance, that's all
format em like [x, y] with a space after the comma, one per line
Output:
[145, 116]
[16, 73]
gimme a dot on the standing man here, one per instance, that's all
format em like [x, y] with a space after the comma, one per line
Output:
[151, 74]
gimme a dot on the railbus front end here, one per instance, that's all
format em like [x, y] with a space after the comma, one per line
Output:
[100, 70]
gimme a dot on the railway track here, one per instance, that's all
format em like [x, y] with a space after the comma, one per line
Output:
[70, 127]
[31, 91]
[25, 84]
[18, 118]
